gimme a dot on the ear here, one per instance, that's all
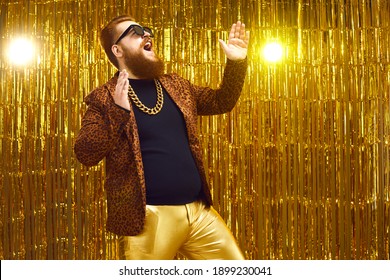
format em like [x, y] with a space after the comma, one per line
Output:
[117, 51]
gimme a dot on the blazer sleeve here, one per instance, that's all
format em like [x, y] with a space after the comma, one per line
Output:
[223, 99]
[101, 127]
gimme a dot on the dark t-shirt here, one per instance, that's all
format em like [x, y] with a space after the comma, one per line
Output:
[171, 175]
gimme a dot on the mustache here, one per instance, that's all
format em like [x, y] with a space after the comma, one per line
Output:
[146, 40]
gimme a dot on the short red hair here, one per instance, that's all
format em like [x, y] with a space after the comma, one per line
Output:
[108, 36]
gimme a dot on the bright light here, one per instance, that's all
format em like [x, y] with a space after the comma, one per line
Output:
[273, 52]
[21, 51]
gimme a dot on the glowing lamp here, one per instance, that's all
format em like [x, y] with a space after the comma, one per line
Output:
[21, 51]
[273, 52]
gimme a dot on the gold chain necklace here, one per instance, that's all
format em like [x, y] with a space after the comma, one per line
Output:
[151, 111]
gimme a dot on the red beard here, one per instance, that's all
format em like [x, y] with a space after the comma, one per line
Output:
[144, 68]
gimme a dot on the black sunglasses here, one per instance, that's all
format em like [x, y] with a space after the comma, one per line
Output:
[138, 29]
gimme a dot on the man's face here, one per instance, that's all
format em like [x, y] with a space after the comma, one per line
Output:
[138, 53]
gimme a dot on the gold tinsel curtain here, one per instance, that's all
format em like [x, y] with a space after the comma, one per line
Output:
[300, 169]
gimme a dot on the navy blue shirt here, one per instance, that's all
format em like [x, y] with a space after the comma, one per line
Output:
[171, 175]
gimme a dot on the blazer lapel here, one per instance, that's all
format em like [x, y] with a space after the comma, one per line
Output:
[131, 126]
[174, 92]
[131, 129]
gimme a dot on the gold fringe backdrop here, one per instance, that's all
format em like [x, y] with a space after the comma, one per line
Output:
[300, 169]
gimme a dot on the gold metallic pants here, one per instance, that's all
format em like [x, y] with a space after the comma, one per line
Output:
[194, 230]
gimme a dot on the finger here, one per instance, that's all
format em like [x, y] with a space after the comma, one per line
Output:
[125, 81]
[242, 31]
[223, 44]
[232, 31]
[120, 77]
[237, 30]
[124, 73]
[122, 80]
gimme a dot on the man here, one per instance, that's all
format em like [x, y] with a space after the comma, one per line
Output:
[145, 124]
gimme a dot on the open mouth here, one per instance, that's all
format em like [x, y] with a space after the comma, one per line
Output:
[148, 46]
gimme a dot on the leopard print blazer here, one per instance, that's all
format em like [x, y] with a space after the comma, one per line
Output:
[110, 132]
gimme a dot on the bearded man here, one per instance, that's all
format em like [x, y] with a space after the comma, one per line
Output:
[144, 123]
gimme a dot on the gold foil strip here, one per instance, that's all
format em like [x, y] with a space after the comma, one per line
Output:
[299, 169]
